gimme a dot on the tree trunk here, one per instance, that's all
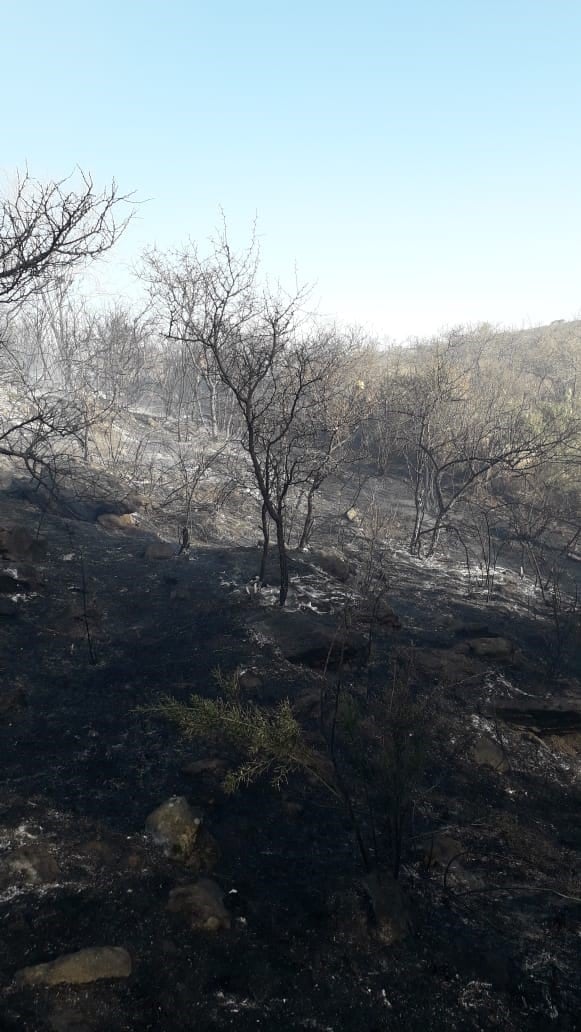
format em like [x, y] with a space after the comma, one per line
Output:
[415, 541]
[309, 521]
[213, 411]
[283, 560]
[434, 537]
[265, 542]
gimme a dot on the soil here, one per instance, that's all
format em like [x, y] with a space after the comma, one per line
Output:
[494, 918]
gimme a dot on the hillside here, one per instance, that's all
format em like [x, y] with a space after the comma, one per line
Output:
[481, 930]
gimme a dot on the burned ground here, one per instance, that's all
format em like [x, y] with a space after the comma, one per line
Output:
[492, 875]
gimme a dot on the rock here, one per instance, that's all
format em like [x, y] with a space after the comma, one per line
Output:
[19, 543]
[202, 904]
[378, 612]
[488, 753]
[352, 515]
[175, 826]
[80, 968]
[392, 922]
[249, 681]
[118, 506]
[310, 639]
[32, 863]
[159, 550]
[84, 494]
[491, 648]
[560, 716]
[110, 521]
[450, 665]
[332, 562]
[136, 501]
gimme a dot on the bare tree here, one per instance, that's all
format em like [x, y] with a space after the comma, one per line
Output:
[49, 228]
[180, 285]
[47, 231]
[270, 361]
[458, 427]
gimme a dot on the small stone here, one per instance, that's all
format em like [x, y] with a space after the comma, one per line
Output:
[202, 904]
[175, 826]
[79, 968]
[352, 515]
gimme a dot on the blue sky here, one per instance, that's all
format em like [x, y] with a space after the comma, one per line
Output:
[419, 162]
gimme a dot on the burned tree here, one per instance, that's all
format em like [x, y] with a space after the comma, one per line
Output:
[47, 230]
[272, 361]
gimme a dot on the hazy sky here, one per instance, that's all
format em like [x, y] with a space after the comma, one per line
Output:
[418, 160]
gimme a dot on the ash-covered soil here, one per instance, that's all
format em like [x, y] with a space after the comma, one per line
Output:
[491, 877]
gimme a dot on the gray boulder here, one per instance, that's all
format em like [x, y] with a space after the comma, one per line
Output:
[88, 965]
[175, 826]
